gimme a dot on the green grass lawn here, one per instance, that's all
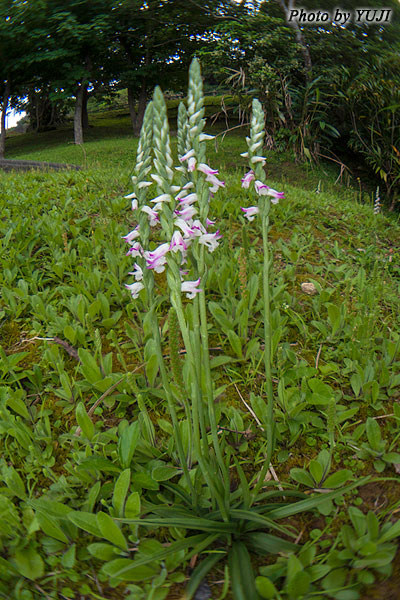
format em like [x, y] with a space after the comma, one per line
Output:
[71, 337]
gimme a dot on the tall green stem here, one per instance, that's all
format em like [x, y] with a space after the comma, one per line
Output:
[198, 412]
[208, 379]
[267, 348]
[170, 400]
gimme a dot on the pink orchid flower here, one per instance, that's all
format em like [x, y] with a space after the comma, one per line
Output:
[177, 242]
[250, 212]
[135, 250]
[210, 240]
[191, 288]
[247, 179]
[132, 235]
[135, 288]
[137, 273]
[153, 215]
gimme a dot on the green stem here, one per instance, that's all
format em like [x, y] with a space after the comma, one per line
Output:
[197, 357]
[170, 400]
[208, 379]
[270, 428]
[198, 413]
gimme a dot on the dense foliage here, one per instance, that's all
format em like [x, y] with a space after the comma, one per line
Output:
[88, 452]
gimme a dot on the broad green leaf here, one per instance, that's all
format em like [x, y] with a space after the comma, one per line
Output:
[50, 507]
[121, 567]
[110, 530]
[302, 476]
[392, 457]
[84, 421]
[89, 367]
[298, 585]
[294, 566]
[16, 402]
[164, 473]
[151, 360]
[103, 551]
[132, 506]
[377, 560]
[265, 588]
[29, 563]
[127, 444]
[373, 434]
[120, 491]
[356, 383]
[50, 527]
[217, 361]
[372, 525]
[220, 316]
[68, 558]
[358, 520]
[316, 470]
[86, 521]
[337, 479]
[70, 333]
[333, 316]
[391, 533]
[126, 570]
[235, 343]
[13, 481]
[98, 463]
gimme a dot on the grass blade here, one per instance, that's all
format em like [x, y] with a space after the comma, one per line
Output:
[200, 573]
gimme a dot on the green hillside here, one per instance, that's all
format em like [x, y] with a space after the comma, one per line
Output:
[74, 353]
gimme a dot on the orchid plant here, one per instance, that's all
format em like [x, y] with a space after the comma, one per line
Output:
[169, 243]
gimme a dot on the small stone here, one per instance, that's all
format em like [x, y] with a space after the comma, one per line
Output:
[309, 288]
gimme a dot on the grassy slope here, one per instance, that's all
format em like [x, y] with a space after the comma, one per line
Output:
[65, 245]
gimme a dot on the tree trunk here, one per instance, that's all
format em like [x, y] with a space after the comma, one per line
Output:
[78, 129]
[6, 97]
[299, 37]
[85, 116]
[131, 105]
[141, 108]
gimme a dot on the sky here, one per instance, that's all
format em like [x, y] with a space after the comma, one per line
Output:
[12, 118]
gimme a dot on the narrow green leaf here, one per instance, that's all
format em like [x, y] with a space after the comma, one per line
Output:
[127, 444]
[241, 573]
[265, 543]
[310, 503]
[200, 573]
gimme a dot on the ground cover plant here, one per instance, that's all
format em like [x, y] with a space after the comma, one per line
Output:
[137, 435]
